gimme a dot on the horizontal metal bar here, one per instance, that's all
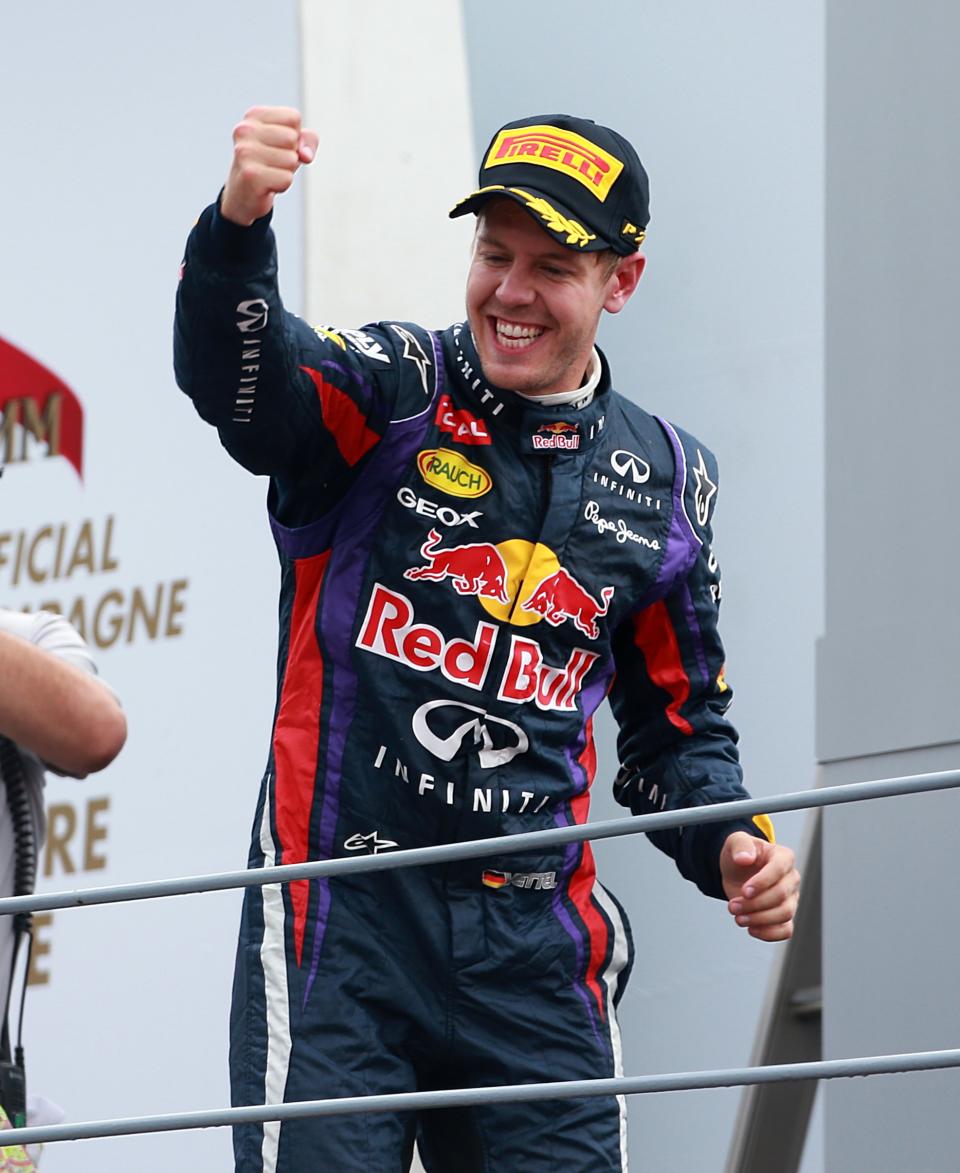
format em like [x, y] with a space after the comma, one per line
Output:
[472, 1097]
[480, 848]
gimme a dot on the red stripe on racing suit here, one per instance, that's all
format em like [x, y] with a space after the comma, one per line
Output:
[297, 733]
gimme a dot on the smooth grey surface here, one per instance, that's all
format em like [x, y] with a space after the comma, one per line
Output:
[724, 336]
[889, 664]
[773, 1124]
[116, 133]
[891, 960]
[888, 680]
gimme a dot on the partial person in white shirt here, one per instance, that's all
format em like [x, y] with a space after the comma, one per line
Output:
[56, 716]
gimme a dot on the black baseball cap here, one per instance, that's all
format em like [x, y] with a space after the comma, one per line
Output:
[582, 182]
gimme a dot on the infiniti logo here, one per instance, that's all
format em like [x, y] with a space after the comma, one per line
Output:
[495, 740]
[253, 315]
[624, 462]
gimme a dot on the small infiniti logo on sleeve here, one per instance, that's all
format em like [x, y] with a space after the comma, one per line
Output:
[252, 315]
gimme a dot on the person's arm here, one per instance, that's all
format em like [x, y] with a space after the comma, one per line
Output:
[678, 749]
[301, 405]
[269, 145]
[54, 709]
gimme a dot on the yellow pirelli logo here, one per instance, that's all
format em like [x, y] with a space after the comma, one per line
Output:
[561, 150]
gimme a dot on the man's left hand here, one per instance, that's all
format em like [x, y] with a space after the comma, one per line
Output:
[762, 885]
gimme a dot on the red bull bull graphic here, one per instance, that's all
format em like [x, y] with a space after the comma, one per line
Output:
[526, 562]
[559, 435]
[474, 569]
[560, 597]
[500, 577]
[452, 473]
[464, 427]
[390, 629]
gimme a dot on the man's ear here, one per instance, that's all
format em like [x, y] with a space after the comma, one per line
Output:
[624, 281]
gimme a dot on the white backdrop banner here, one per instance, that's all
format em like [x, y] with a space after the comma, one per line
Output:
[119, 508]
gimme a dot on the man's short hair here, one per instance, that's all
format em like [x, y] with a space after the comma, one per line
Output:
[607, 259]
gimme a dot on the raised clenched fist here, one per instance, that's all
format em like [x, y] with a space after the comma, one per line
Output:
[269, 146]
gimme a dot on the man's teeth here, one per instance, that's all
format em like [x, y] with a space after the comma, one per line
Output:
[517, 335]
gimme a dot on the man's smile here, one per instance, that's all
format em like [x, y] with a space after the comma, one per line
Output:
[515, 335]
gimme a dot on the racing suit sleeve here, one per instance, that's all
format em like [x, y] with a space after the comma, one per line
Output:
[670, 697]
[302, 405]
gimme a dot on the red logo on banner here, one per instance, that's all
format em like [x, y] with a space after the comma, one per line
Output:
[34, 402]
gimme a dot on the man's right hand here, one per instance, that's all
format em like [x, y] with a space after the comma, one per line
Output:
[269, 146]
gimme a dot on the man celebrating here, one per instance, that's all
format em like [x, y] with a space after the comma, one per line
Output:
[480, 539]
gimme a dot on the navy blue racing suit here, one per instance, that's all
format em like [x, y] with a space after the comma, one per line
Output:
[466, 575]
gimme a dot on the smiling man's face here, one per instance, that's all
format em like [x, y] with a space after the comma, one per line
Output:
[534, 305]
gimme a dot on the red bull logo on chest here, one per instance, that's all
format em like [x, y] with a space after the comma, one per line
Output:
[559, 435]
[390, 629]
[515, 581]
[561, 597]
[473, 569]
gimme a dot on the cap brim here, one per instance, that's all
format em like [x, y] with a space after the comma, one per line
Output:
[545, 211]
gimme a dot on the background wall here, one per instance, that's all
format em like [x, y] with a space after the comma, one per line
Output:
[888, 681]
[116, 134]
[725, 106]
[724, 336]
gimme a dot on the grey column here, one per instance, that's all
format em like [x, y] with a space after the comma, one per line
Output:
[887, 673]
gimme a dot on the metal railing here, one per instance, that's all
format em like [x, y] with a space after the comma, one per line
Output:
[473, 849]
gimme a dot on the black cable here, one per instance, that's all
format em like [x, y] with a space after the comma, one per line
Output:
[18, 799]
[13, 1082]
